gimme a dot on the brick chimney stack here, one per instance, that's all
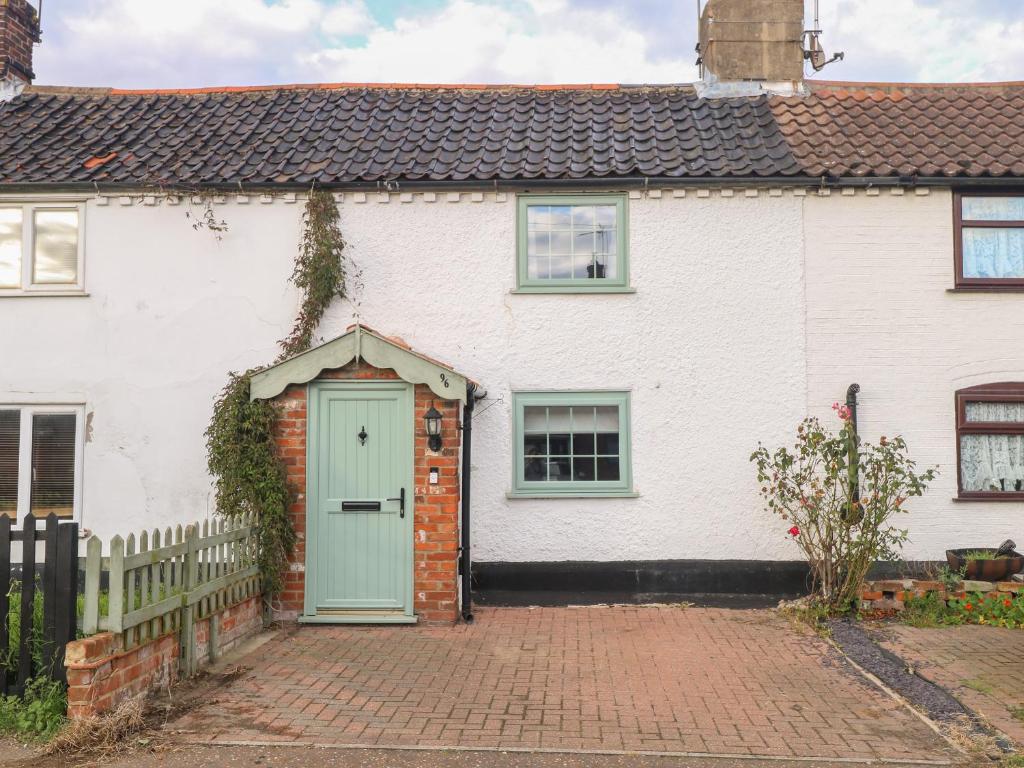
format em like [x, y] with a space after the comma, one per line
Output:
[752, 46]
[19, 31]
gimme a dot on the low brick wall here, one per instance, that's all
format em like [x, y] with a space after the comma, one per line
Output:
[102, 674]
[889, 596]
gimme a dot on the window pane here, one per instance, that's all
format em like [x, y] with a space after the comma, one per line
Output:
[535, 418]
[586, 233]
[559, 216]
[608, 468]
[536, 469]
[561, 267]
[993, 208]
[982, 411]
[583, 444]
[992, 463]
[607, 418]
[993, 253]
[10, 434]
[535, 445]
[583, 468]
[56, 247]
[561, 243]
[560, 469]
[53, 464]
[583, 216]
[10, 247]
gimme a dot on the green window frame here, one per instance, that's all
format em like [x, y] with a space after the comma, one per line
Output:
[563, 445]
[582, 241]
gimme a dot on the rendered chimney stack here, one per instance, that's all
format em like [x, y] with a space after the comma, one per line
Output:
[756, 42]
[19, 31]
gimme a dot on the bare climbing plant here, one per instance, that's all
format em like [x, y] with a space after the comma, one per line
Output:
[241, 450]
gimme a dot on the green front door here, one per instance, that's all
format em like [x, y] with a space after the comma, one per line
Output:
[360, 495]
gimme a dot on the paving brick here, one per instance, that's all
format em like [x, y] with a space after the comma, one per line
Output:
[966, 659]
[653, 678]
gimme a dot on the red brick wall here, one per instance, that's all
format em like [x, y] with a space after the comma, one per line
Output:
[890, 595]
[19, 30]
[101, 674]
[436, 507]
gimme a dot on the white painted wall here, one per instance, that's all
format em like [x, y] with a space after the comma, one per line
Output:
[718, 345]
[880, 312]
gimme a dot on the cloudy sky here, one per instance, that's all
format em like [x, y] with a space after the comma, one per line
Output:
[190, 43]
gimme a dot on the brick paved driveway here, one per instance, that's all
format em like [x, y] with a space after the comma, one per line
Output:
[660, 679]
[981, 666]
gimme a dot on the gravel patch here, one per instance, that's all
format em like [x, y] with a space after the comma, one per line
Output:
[934, 701]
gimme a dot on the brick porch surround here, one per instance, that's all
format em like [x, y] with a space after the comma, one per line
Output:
[436, 507]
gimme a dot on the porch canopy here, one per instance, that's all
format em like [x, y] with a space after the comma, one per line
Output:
[361, 343]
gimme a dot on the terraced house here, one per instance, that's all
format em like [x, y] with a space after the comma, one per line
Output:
[574, 311]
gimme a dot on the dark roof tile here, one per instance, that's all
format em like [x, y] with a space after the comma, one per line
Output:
[357, 133]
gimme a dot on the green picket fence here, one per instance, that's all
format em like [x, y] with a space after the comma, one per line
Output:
[166, 582]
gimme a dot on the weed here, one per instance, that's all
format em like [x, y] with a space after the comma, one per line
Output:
[979, 685]
[9, 655]
[930, 610]
[983, 554]
[38, 714]
[1017, 712]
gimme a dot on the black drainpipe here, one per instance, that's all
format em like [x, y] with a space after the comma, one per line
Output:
[465, 561]
[851, 404]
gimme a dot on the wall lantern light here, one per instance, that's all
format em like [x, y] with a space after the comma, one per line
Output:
[432, 420]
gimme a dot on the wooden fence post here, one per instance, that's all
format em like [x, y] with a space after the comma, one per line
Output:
[115, 601]
[66, 619]
[49, 584]
[5, 588]
[188, 628]
[28, 589]
[93, 566]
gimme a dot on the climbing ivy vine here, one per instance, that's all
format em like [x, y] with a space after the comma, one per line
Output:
[241, 451]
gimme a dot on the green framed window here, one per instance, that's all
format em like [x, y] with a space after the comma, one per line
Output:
[572, 244]
[572, 443]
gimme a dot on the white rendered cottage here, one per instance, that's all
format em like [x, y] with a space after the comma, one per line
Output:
[633, 286]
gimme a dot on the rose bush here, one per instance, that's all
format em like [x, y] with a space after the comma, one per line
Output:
[840, 497]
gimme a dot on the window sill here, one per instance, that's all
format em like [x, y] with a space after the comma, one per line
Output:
[580, 495]
[1002, 499]
[34, 294]
[986, 289]
[556, 289]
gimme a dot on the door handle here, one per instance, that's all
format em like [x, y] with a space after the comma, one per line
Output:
[400, 498]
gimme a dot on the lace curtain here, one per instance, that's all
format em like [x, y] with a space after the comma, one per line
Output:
[993, 252]
[993, 462]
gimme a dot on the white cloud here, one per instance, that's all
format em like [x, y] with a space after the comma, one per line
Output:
[158, 43]
[348, 18]
[472, 41]
[916, 40]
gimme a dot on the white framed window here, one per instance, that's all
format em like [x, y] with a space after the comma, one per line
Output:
[41, 448]
[42, 247]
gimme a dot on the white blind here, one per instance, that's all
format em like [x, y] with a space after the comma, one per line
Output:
[53, 464]
[588, 418]
[10, 431]
[56, 247]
